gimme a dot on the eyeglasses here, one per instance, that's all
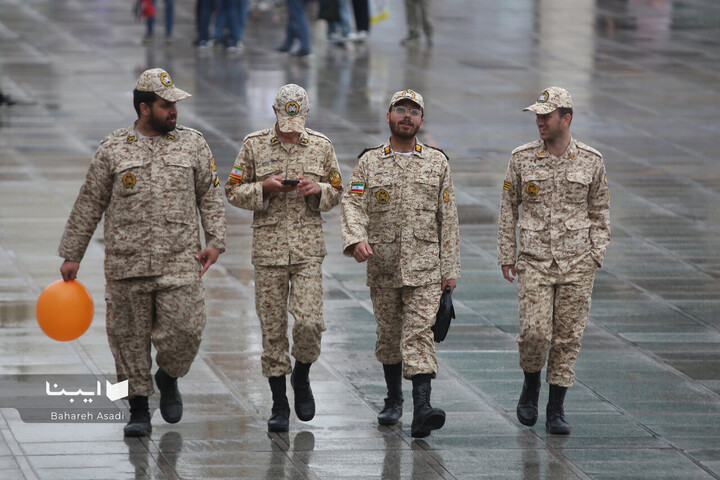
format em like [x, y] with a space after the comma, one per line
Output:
[413, 111]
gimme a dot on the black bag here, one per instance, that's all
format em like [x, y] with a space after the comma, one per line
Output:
[445, 313]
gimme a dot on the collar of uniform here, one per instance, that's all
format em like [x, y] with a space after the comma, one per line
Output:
[542, 150]
[275, 140]
[417, 150]
[570, 152]
[304, 138]
[172, 135]
[387, 150]
[132, 135]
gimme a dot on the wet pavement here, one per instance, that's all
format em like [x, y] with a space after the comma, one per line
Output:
[645, 77]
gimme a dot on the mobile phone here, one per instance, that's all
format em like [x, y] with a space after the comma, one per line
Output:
[288, 181]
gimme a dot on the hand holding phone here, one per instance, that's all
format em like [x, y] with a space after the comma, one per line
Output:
[291, 182]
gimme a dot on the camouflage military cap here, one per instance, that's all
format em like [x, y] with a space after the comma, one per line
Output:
[411, 95]
[549, 100]
[158, 81]
[292, 106]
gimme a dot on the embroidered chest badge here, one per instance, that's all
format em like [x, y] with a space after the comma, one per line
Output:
[129, 180]
[357, 187]
[383, 197]
[531, 189]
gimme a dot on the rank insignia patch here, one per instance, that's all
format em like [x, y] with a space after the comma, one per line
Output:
[418, 148]
[237, 173]
[387, 150]
[303, 141]
[131, 138]
[506, 185]
[531, 189]
[170, 137]
[357, 187]
[212, 164]
[217, 181]
[129, 180]
[446, 195]
[383, 197]
[335, 179]
[274, 140]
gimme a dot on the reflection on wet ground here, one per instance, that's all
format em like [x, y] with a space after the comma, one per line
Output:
[644, 77]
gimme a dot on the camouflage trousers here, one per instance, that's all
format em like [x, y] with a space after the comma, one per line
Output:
[404, 318]
[554, 308]
[296, 289]
[163, 311]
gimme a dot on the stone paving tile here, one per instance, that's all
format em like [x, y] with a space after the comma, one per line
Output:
[644, 79]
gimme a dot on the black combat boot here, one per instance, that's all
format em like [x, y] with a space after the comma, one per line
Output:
[555, 422]
[139, 424]
[304, 400]
[280, 418]
[171, 406]
[390, 415]
[425, 417]
[527, 407]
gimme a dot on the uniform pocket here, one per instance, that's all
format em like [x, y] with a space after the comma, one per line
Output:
[313, 171]
[178, 174]
[180, 231]
[130, 178]
[427, 251]
[268, 168]
[381, 198]
[536, 184]
[381, 234]
[576, 186]
[425, 192]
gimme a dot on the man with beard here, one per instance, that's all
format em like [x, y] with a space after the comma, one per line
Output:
[564, 232]
[154, 181]
[287, 175]
[400, 216]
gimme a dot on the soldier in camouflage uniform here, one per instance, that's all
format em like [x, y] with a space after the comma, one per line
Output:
[564, 231]
[154, 181]
[400, 216]
[287, 175]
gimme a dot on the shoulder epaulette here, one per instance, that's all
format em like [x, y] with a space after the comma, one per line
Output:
[588, 148]
[259, 133]
[439, 150]
[181, 127]
[317, 134]
[527, 146]
[121, 134]
[367, 150]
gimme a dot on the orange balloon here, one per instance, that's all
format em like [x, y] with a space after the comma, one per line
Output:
[65, 310]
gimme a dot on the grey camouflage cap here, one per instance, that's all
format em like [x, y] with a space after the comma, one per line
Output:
[411, 95]
[549, 100]
[292, 106]
[159, 81]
